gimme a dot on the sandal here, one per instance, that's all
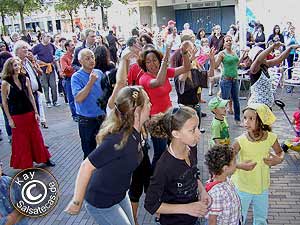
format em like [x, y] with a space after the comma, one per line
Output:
[44, 125]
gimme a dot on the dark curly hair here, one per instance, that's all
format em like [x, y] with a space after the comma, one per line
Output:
[162, 125]
[142, 59]
[217, 157]
[147, 38]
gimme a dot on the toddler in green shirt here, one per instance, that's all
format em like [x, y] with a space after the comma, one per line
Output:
[219, 125]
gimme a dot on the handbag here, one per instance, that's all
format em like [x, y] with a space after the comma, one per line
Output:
[199, 78]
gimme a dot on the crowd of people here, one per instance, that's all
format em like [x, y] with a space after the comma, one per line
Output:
[119, 96]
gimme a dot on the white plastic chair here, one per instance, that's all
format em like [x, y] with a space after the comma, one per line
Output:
[294, 82]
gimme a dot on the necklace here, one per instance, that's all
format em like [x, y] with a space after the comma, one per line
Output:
[259, 138]
[173, 153]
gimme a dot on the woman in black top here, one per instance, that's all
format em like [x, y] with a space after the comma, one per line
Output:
[259, 37]
[104, 177]
[276, 36]
[21, 111]
[187, 85]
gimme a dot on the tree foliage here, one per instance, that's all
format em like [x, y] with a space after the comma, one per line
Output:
[6, 9]
[69, 6]
[25, 7]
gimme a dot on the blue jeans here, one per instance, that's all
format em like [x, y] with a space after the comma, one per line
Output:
[159, 146]
[260, 204]
[7, 127]
[88, 129]
[118, 214]
[70, 97]
[230, 89]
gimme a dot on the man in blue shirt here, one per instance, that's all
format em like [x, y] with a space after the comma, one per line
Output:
[86, 89]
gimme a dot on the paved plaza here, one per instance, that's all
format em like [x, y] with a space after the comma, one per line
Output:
[64, 144]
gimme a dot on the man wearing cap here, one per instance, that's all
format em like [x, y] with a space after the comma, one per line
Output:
[219, 125]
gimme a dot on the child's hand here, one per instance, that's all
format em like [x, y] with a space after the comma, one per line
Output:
[273, 160]
[196, 209]
[205, 198]
[247, 165]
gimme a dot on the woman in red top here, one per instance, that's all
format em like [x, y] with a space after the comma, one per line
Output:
[157, 85]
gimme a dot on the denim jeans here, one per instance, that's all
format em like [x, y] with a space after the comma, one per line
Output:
[7, 127]
[260, 204]
[88, 129]
[70, 97]
[118, 214]
[159, 146]
[230, 89]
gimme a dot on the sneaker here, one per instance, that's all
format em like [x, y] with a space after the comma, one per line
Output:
[289, 90]
[55, 104]
[48, 105]
[239, 123]
[61, 94]
[76, 119]
[9, 139]
[50, 163]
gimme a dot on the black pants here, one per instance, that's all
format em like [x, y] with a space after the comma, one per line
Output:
[140, 178]
[88, 129]
[290, 61]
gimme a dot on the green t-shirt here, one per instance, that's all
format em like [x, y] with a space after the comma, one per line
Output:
[220, 131]
[230, 63]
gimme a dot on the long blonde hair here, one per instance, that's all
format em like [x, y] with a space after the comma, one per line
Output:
[121, 117]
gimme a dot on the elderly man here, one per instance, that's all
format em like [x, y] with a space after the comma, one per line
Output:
[21, 51]
[45, 54]
[86, 90]
[90, 43]
[67, 71]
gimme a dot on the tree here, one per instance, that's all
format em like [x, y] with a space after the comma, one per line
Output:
[69, 6]
[26, 7]
[6, 9]
[103, 4]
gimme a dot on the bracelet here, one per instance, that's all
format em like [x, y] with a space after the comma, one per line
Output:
[76, 203]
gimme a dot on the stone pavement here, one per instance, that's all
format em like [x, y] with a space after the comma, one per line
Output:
[62, 137]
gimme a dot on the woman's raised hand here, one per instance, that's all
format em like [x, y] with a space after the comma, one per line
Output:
[212, 53]
[193, 53]
[168, 51]
[295, 46]
[278, 44]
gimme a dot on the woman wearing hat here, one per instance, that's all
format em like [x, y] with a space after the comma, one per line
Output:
[261, 84]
